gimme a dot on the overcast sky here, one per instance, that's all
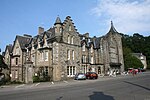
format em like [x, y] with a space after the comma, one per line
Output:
[18, 17]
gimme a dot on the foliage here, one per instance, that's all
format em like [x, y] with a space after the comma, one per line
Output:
[41, 79]
[3, 65]
[135, 44]
[131, 61]
[36, 79]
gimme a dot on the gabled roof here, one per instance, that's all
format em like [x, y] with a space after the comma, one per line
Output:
[9, 48]
[23, 41]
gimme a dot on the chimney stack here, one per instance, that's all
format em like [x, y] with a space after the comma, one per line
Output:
[40, 30]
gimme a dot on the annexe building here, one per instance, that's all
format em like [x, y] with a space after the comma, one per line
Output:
[61, 51]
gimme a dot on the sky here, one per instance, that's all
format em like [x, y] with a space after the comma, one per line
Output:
[18, 17]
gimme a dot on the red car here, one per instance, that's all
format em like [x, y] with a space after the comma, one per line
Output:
[91, 75]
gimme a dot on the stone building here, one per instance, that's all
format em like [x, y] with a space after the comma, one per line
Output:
[61, 51]
[142, 58]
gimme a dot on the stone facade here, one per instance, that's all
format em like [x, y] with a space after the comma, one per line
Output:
[60, 52]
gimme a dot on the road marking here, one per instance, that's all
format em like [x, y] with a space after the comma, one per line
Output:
[32, 86]
[20, 86]
[65, 81]
[37, 84]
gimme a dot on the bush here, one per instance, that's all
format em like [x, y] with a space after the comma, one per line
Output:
[36, 79]
[16, 82]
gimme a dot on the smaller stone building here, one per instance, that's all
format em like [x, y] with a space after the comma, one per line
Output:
[142, 58]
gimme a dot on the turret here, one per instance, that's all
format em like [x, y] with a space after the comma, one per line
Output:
[58, 25]
[58, 29]
[112, 28]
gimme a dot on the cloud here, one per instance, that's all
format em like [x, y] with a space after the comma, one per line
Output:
[129, 16]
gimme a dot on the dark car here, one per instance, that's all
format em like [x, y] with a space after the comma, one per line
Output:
[80, 76]
[91, 75]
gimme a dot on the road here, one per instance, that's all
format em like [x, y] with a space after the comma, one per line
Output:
[114, 88]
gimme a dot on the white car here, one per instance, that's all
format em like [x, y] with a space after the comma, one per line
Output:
[80, 76]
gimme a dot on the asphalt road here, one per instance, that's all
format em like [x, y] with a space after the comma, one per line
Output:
[118, 88]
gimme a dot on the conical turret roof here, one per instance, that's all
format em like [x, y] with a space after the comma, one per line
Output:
[58, 21]
[112, 28]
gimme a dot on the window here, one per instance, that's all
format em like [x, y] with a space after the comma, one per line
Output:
[42, 56]
[46, 70]
[33, 58]
[68, 54]
[69, 27]
[68, 40]
[85, 68]
[73, 55]
[68, 70]
[83, 47]
[92, 60]
[16, 74]
[71, 71]
[91, 48]
[46, 55]
[84, 59]
[60, 29]
[72, 39]
[16, 61]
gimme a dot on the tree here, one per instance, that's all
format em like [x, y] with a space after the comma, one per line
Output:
[3, 65]
[137, 44]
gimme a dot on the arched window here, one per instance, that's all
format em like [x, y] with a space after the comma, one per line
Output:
[69, 27]
[60, 29]
[72, 54]
[68, 54]
[83, 47]
[68, 40]
[72, 39]
[91, 48]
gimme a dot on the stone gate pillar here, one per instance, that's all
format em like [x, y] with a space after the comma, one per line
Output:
[29, 72]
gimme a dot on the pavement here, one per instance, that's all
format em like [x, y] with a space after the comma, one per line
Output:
[61, 83]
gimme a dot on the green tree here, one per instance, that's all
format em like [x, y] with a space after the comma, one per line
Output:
[2, 64]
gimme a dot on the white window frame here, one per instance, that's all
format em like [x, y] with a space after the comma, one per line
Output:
[46, 55]
[92, 60]
[92, 49]
[83, 47]
[72, 40]
[68, 39]
[68, 54]
[71, 71]
[72, 54]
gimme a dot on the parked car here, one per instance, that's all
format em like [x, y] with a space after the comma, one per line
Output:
[91, 75]
[80, 76]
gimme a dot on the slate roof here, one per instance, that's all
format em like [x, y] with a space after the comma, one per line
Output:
[58, 21]
[23, 41]
[9, 48]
